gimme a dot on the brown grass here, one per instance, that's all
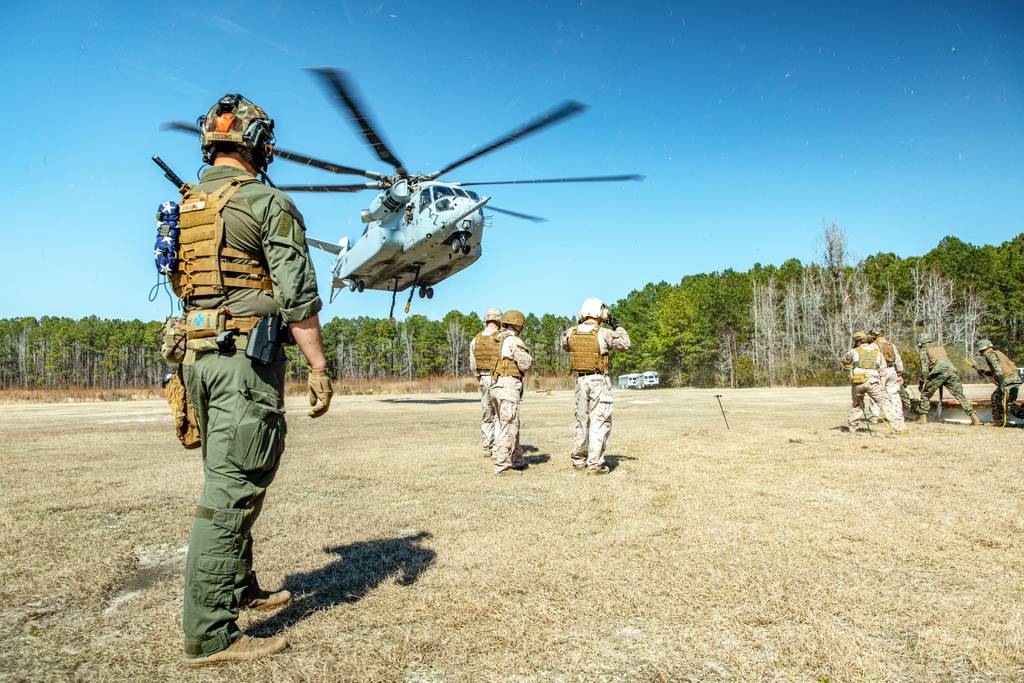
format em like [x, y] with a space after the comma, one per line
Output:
[778, 550]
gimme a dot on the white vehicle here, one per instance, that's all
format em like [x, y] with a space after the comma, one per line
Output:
[631, 381]
[649, 379]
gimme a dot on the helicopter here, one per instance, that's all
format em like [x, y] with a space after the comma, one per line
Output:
[418, 231]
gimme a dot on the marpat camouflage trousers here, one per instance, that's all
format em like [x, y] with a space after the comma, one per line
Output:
[487, 407]
[1004, 402]
[506, 393]
[593, 420]
[876, 392]
[943, 378]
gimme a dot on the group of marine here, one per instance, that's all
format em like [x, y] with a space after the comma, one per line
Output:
[500, 359]
[235, 252]
[877, 373]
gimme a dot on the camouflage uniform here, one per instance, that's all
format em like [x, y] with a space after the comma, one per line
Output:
[938, 371]
[506, 393]
[1003, 373]
[892, 379]
[483, 376]
[594, 401]
[240, 406]
[867, 365]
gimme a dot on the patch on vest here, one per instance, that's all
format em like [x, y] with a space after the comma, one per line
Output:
[192, 206]
[284, 227]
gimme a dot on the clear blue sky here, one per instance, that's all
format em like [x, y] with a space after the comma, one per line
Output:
[752, 124]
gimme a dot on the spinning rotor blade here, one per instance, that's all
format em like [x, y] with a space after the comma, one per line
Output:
[295, 157]
[587, 179]
[564, 110]
[329, 188]
[340, 87]
[524, 216]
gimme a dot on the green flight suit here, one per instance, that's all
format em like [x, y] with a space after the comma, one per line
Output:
[939, 374]
[1004, 398]
[240, 406]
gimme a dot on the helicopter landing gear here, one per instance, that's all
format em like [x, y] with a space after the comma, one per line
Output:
[356, 286]
[461, 243]
[426, 292]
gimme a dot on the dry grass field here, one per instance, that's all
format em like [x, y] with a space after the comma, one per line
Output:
[779, 550]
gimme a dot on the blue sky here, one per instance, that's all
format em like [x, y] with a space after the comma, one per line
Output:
[752, 123]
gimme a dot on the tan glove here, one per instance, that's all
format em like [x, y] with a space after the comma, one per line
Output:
[320, 392]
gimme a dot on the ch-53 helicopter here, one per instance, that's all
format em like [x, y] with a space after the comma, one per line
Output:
[419, 231]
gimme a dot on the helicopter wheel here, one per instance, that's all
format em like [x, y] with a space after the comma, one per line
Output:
[430, 292]
[455, 247]
[465, 248]
[423, 292]
[361, 286]
[351, 285]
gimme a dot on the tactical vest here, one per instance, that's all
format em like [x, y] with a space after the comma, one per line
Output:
[205, 266]
[936, 354]
[888, 351]
[585, 352]
[505, 367]
[1008, 367]
[868, 361]
[486, 351]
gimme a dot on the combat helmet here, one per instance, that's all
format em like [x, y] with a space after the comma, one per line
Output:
[592, 308]
[513, 318]
[236, 120]
[861, 337]
[924, 338]
[984, 345]
[492, 315]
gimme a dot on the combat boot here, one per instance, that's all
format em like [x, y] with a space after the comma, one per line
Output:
[603, 469]
[242, 650]
[974, 419]
[264, 601]
[922, 418]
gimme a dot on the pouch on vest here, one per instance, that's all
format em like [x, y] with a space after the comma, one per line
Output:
[186, 424]
[172, 339]
[203, 322]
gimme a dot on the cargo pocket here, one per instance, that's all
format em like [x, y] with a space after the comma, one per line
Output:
[259, 438]
[215, 580]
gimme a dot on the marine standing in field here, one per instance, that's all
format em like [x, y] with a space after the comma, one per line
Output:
[589, 345]
[483, 355]
[243, 262]
[514, 361]
[867, 366]
[1003, 373]
[893, 379]
[937, 371]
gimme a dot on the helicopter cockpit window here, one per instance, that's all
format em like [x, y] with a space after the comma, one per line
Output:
[473, 195]
[460, 192]
[441, 198]
[424, 198]
[442, 191]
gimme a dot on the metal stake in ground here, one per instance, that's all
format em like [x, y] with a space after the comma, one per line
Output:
[938, 412]
[719, 397]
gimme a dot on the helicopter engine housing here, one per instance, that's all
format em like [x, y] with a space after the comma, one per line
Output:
[389, 201]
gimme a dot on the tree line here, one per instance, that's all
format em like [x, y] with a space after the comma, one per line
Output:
[770, 325]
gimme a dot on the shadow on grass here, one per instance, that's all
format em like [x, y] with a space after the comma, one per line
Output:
[362, 567]
[612, 461]
[430, 401]
[537, 459]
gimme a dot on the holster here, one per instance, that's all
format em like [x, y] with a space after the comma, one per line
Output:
[268, 339]
[186, 424]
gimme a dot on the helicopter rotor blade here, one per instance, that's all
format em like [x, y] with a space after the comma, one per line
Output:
[340, 87]
[524, 216]
[329, 188]
[586, 179]
[532, 126]
[294, 157]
